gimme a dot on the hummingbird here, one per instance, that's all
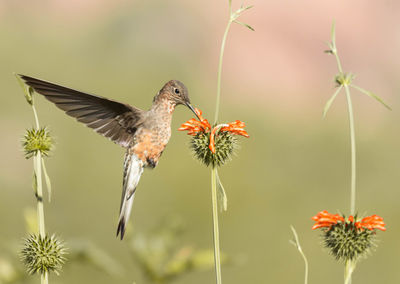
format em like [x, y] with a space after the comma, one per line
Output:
[144, 134]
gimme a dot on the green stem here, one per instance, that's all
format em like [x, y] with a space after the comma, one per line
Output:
[353, 152]
[338, 61]
[36, 117]
[44, 279]
[221, 56]
[39, 193]
[217, 256]
[40, 209]
[296, 243]
[217, 253]
[348, 271]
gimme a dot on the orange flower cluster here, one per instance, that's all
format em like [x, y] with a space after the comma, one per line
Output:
[194, 126]
[371, 222]
[325, 219]
[236, 127]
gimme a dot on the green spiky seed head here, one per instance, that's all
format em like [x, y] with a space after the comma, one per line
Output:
[35, 141]
[346, 242]
[43, 254]
[225, 144]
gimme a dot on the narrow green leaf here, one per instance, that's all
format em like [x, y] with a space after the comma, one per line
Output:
[372, 95]
[333, 34]
[329, 103]
[244, 24]
[28, 91]
[247, 7]
[47, 178]
[330, 50]
[34, 182]
[222, 198]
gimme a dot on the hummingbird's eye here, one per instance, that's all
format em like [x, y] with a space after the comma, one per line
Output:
[177, 91]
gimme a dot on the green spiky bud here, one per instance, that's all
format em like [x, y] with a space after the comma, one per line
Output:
[41, 255]
[347, 242]
[37, 140]
[225, 144]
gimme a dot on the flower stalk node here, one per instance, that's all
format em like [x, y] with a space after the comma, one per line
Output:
[343, 79]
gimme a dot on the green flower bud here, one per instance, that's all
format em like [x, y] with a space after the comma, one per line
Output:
[37, 140]
[41, 255]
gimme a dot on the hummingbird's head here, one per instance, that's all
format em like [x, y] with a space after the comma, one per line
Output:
[178, 93]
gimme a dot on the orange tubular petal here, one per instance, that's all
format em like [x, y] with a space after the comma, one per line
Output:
[212, 140]
[325, 219]
[373, 222]
[236, 127]
[194, 126]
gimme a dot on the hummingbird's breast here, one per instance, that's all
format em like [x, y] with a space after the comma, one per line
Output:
[152, 138]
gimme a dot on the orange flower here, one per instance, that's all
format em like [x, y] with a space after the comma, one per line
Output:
[236, 127]
[194, 126]
[371, 223]
[325, 219]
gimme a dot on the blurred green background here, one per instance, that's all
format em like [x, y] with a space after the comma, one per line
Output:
[276, 79]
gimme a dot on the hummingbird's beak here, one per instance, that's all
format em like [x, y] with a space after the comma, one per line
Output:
[192, 109]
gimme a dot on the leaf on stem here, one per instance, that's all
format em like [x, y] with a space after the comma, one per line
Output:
[330, 101]
[242, 9]
[372, 95]
[295, 242]
[333, 36]
[330, 50]
[34, 182]
[222, 198]
[28, 91]
[244, 25]
[47, 179]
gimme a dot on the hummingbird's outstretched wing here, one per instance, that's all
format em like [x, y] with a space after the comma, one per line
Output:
[111, 119]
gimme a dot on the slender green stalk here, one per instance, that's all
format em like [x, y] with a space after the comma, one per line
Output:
[338, 61]
[353, 152]
[39, 193]
[348, 271]
[217, 254]
[221, 56]
[352, 132]
[37, 165]
[36, 117]
[232, 18]
[44, 278]
[296, 243]
[350, 266]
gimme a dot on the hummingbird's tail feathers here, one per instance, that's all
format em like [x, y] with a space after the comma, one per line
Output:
[133, 169]
[109, 118]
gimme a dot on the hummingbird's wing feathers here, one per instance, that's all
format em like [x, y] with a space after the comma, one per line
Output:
[111, 119]
[133, 169]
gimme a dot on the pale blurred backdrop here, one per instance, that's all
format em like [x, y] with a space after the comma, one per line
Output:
[276, 79]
